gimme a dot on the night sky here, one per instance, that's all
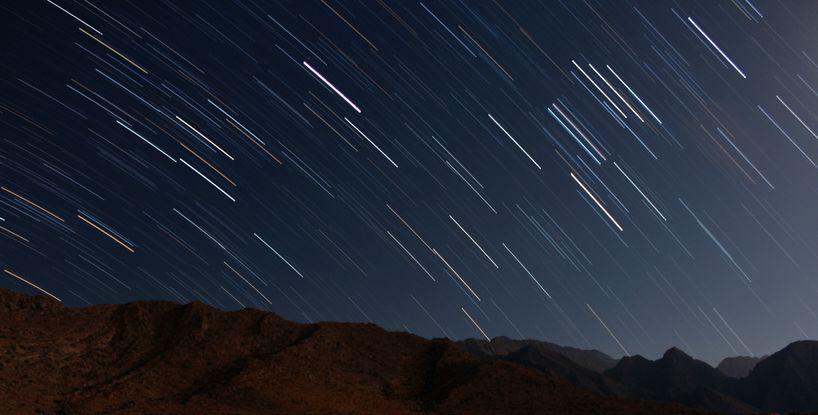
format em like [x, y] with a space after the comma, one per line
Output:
[618, 175]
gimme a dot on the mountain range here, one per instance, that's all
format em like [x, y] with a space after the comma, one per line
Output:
[786, 381]
[162, 357]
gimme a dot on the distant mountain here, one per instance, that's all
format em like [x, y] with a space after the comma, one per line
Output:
[558, 366]
[593, 360]
[677, 377]
[673, 375]
[160, 357]
[786, 381]
[739, 366]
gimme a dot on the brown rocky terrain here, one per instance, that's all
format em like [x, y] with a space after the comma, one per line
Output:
[164, 358]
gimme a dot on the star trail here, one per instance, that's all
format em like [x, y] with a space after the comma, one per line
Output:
[619, 175]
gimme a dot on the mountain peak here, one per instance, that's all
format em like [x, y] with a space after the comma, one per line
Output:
[674, 377]
[677, 354]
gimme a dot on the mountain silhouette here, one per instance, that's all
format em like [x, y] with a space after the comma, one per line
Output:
[593, 360]
[677, 377]
[786, 381]
[673, 375]
[161, 357]
[558, 366]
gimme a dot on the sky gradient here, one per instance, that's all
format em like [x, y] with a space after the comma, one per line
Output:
[619, 175]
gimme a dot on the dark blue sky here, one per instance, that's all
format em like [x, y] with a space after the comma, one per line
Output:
[617, 175]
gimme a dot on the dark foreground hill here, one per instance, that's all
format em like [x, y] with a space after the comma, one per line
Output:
[161, 357]
[786, 381]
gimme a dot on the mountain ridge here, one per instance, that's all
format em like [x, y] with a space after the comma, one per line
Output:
[159, 356]
[593, 359]
[677, 377]
[162, 357]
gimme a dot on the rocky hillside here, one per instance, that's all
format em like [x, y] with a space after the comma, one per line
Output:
[161, 357]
